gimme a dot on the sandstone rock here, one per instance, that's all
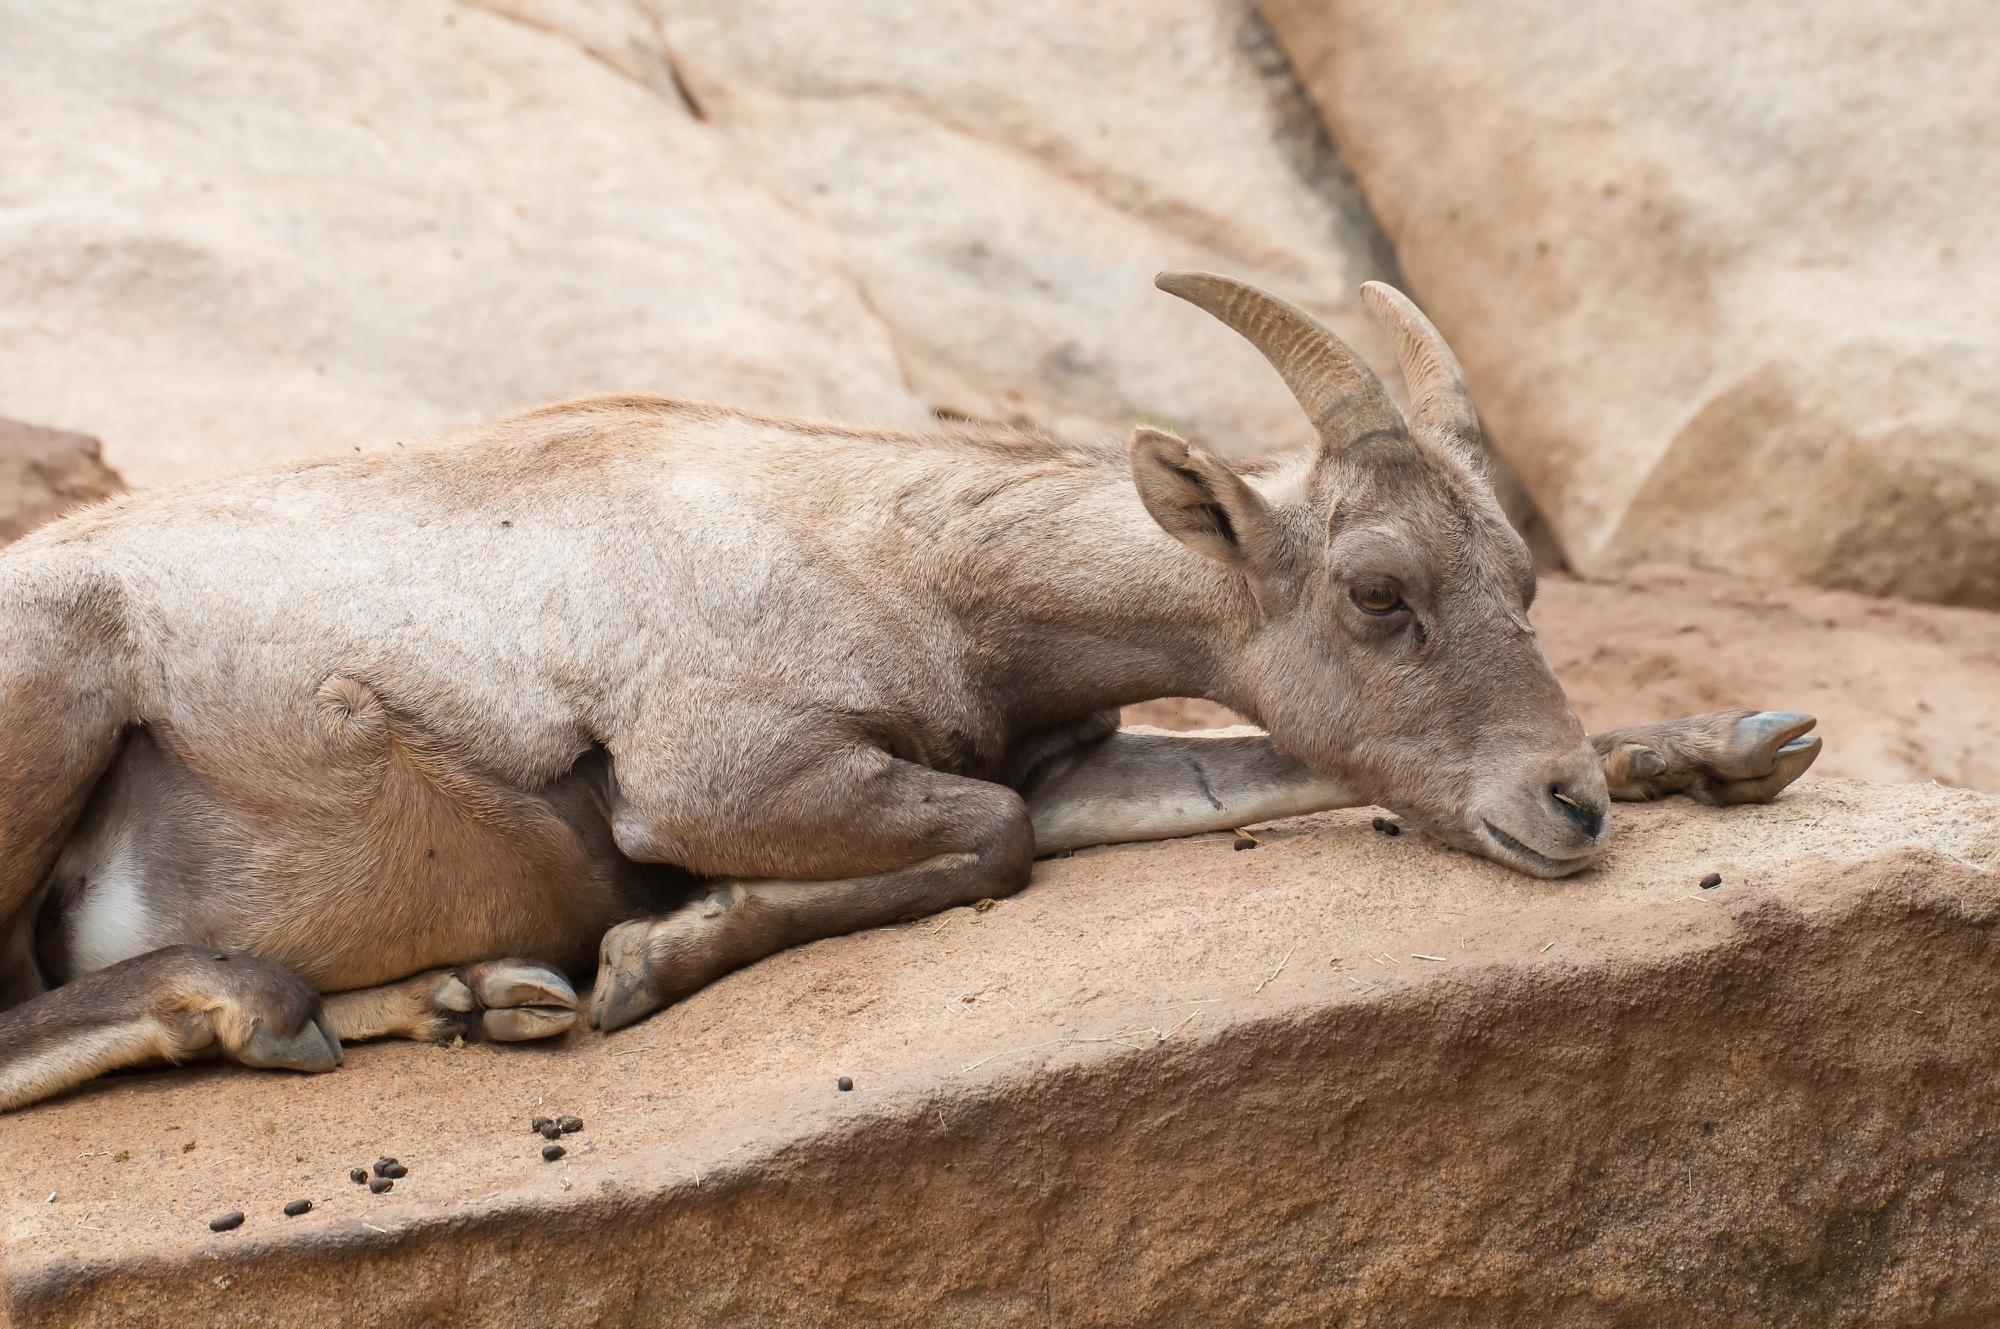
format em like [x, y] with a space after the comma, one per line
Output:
[238, 234]
[46, 472]
[1341, 1079]
[1902, 691]
[1722, 276]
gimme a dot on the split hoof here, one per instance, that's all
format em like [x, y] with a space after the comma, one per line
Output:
[508, 1001]
[525, 1024]
[1723, 757]
[1756, 741]
[1785, 753]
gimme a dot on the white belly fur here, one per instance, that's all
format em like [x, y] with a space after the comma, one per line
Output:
[112, 922]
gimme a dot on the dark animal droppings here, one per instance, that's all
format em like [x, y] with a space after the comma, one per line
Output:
[1387, 827]
[550, 1130]
[357, 1175]
[540, 1124]
[395, 1171]
[297, 1207]
[1245, 842]
[551, 1152]
[844, 1084]
[380, 1185]
[1711, 881]
[232, 1219]
[382, 1166]
[569, 1125]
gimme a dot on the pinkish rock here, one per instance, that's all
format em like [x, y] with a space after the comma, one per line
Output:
[46, 472]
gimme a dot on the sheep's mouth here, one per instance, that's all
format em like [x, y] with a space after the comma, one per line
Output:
[1534, 861]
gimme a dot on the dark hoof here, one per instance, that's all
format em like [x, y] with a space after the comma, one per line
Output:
[626, 991]
[315, 1047]
[509, 1001]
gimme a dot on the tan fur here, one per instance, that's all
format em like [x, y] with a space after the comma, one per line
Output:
[394, 1010]
[524, 692]
[47, 1066]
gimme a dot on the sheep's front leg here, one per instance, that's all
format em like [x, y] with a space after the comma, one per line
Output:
[1740, 756]
[167, 1005]
[862, 841]
[1136, 785]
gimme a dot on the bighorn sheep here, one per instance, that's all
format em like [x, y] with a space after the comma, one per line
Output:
[671, 687]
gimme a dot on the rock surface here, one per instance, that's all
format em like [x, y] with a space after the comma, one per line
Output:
[236, 234]
[1340, 1078]
[1722, 276]
[46, 472]
[1902, 691]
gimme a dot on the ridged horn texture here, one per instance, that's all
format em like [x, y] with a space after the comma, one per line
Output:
[1439, 399]
[1337, 390]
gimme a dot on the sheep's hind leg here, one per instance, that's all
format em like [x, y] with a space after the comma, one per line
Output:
[503, 1001]
[863, 841]
[169, 1005]
[1740, 756]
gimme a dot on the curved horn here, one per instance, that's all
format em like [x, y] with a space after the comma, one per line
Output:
[1338, 391]
[1438, 396]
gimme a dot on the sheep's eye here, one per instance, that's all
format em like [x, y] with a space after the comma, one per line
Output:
[1376, 599]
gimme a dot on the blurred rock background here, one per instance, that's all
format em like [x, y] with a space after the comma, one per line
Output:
[232, 234]
[1724, 277]
[46, 472]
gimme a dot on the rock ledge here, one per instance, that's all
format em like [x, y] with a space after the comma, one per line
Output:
[1340, 1077]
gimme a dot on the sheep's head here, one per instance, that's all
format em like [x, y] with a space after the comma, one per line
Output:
[1389, 646]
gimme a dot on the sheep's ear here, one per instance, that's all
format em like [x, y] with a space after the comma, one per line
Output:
[1200, 501]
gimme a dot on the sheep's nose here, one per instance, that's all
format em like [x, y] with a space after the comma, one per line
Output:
[1586, 814]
